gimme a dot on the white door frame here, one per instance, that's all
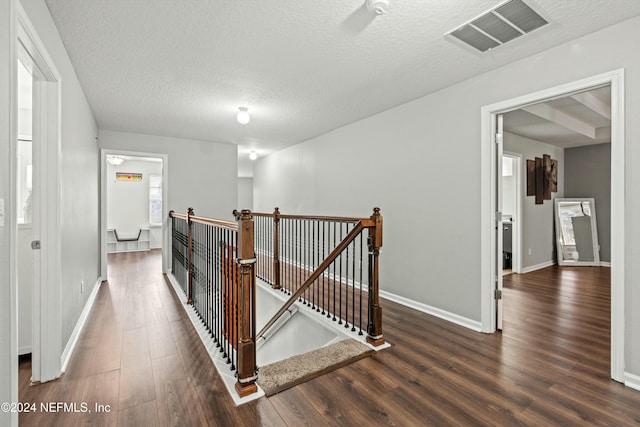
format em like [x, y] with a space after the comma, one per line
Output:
[104, 152]
[516, 227]
[488, 197]
[47, 320]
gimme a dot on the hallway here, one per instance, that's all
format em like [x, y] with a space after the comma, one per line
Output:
[140, 356]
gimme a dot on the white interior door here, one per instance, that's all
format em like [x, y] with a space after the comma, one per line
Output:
[45, 209]
[498, 219]
[25, 207]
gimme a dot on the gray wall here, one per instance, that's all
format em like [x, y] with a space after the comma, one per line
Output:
[79, 189]
[128, 202]
[537, 220]
[79, 179]
[588, 174]
[245, 193]
[201, 174]
[400, 160]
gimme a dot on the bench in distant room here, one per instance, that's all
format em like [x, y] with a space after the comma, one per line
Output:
[127, 239]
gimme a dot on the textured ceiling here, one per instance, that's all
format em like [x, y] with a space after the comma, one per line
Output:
[302, 67]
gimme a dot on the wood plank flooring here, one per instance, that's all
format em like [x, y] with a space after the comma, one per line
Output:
[140, 355]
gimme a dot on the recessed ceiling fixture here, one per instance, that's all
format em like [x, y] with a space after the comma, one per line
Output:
[243, 115]
[114, 160]
[506, 22]
[253, 155]
[379, 7]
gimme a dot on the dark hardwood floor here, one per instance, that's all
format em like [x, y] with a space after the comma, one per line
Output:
[140, 355]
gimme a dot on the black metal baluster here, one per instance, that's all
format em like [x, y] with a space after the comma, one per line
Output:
[298, 263]
[209, 265]
[228, 297]
[307, 259]
[195, 259]
[353, 289]
[361, 280]
[303, 250]
[266, 252]
[286, 270]
[321, 256]
[220, 276]
[318, 261]
[235, 308]
[334, 274]
[370, 269]
[346, 290]
[340, 279]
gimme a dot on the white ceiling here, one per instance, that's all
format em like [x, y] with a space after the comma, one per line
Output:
[571, 121]
[302, 67]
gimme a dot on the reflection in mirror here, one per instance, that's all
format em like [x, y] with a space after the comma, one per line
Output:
[576, 232]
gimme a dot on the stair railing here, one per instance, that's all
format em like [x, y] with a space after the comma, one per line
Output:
[323, 262]
[213, 261]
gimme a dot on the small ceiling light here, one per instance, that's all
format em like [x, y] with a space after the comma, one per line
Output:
[243, 115]
[379, 7]
[114, 160]
[253, 155]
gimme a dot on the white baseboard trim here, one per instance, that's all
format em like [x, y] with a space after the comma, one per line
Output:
[632, 381]
[538, 266]
[605, 264]
[442, 314]
[73, 340]
[24, 350]
[176, 288]
[225, 373]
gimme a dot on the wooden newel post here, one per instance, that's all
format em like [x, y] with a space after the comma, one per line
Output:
[247, 373]
[190, 257]
[276, 249]
[374, 328]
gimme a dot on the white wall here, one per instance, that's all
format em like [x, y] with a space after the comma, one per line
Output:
[245, 193]
[8, 343]
[398, 160]
[128, 201]
[537, 220]
[201, 174]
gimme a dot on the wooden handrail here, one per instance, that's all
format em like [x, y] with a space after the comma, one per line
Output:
[230, 225]
[172, 214]
[316, 217]
[312, 278]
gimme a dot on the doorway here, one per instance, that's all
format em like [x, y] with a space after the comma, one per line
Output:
[37, 202]
[133, 204]
[490, 196]
[511, 212]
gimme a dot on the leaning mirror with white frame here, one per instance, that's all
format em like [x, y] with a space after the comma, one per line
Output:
[576, 231]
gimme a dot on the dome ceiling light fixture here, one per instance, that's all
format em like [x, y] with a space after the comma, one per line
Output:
[243, 115]
[379, 7]
[253, 155]
[114, 160]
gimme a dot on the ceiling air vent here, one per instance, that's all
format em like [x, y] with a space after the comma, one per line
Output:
[498, 26]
